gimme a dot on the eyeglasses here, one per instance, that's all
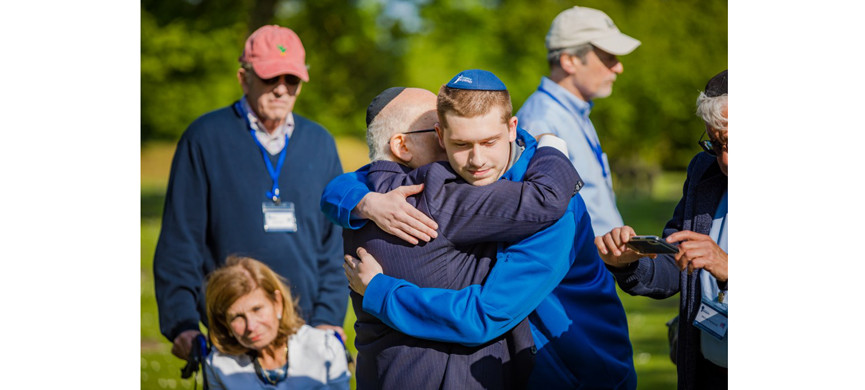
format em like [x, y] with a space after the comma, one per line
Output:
[711, 147]
[415, 132]
[419, 131]
[290, 80]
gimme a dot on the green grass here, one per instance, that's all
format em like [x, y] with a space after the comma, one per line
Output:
[646, 317]
[159, 369]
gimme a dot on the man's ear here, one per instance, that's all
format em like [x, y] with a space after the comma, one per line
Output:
[399, 149]
[241, 78]
[512, 129]
[569, 63]
[440, 135]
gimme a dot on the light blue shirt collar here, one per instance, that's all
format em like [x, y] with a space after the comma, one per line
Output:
[569, 100]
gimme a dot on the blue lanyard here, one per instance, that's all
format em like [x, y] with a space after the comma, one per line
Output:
[596, 148]
[274, 172]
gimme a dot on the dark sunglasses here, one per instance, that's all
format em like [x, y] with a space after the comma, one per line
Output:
[711, 147]
[289, 80]
[419, 131]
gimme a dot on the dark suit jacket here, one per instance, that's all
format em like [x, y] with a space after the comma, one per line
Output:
[661, 278]
[471, 220]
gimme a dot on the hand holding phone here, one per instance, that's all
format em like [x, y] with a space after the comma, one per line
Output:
[651, 245]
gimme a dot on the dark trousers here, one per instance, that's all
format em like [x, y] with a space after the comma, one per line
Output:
[711, 376]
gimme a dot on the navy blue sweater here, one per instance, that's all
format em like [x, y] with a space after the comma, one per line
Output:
[213, 208]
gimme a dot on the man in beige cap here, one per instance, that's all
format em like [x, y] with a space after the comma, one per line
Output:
[582, 46]
[246, 180]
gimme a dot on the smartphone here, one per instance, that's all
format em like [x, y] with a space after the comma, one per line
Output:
[651, 244]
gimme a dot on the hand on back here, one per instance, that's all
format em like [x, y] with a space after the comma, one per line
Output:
[360, 272]
[395, 216]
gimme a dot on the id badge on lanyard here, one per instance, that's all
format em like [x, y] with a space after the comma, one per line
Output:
[279, 215]
[712, 318]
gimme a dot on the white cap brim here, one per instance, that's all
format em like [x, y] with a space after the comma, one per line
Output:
[618, 44]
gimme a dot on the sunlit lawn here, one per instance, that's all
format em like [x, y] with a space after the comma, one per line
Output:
[646, 317]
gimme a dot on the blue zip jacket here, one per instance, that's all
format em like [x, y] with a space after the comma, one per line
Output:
[555, 277]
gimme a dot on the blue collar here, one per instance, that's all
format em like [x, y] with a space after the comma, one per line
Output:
[519, 167]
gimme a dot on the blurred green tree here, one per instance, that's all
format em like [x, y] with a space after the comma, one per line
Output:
[190, 49]
[189, 54]
[352, 56]
[648, 123]
[357, 48]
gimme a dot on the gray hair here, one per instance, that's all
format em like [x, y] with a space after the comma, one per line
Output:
[710, 109]
[554, 56]
[378, 135]
[250, 72]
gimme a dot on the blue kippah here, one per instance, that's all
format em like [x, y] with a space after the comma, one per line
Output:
[478, 80]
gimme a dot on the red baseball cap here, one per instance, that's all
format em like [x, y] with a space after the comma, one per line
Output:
[273, 51]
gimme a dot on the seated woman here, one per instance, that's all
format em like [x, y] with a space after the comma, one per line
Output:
[259, 340]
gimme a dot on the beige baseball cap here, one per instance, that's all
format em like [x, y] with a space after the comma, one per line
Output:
[579, 25]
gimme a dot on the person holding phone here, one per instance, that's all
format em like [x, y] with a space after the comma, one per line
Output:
[698, 271]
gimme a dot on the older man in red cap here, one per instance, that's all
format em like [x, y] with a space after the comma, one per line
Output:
[246, 179]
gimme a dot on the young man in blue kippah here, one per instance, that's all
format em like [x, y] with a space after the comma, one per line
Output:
[578, 324]
[462, 253]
